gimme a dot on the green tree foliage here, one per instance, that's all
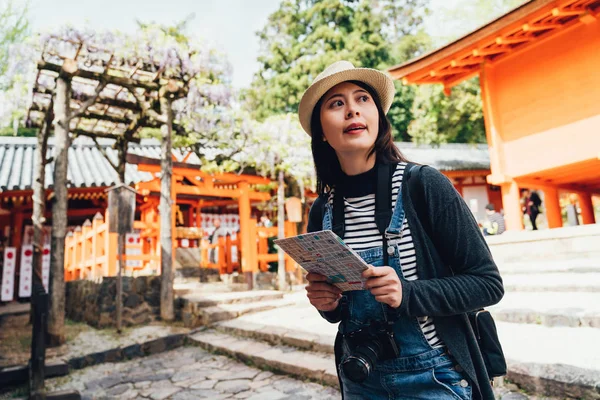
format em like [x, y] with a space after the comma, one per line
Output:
[14, 27]
[14, 31]
[303, 37]
[463, 16]
[457, 118]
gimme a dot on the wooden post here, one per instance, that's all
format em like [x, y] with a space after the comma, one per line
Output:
[85, 248]
[198, 216]
[97, 244]
[553, 213]
[39, 298]
[512, 206]
[119, 299]
[281, 231]
[587, 208]
[253, 256]
[62, 111]
[166, 215]
[244, 235]
[17, 233]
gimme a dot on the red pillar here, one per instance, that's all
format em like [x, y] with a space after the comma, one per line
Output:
[587, 208]
[552, 206]
[512, 206]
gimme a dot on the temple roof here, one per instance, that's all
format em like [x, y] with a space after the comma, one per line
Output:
[89, 169]
[448, 157]
[518, 29]
[87, 166]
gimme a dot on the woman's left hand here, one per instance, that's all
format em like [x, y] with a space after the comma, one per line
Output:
[384, 284]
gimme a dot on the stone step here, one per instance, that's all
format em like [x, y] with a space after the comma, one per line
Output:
[552, 282]
[318, 367]
[194, 316]
[532, 359]
[187, 286]
[576, 309]
[575, 265]
[552, 361]
[14, 308]
[577, 242]
[277, 335]
[207, 299]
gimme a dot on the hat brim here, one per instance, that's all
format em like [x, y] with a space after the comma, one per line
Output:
[379, 81]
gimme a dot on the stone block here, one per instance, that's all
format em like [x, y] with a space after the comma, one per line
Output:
[133, 300]
[135, 350]
[105, 320]
[140, 285]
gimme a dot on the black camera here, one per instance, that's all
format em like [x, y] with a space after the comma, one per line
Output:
[367, 347]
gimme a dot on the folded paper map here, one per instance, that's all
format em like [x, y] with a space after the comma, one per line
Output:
[324, 253]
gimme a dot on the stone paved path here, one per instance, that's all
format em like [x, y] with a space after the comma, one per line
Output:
[184, 374]
[191, 373]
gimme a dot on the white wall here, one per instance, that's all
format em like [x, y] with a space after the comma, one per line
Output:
[476, 198]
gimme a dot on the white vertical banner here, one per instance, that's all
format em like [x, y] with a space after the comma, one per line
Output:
[8, 273]
[26, 270]
[133, 246]
[46, 266]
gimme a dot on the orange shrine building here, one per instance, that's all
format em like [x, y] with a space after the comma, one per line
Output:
[90, 251]
[538, 67]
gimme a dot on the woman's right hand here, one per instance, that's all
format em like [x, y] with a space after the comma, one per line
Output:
[322, 295]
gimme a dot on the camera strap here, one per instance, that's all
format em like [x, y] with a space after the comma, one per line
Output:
[383, 212]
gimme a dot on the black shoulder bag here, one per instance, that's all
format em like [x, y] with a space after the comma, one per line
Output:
[481, 320]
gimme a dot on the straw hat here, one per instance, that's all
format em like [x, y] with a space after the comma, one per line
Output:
[338, 72]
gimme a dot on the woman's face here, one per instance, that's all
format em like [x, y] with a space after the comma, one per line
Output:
[349, 118]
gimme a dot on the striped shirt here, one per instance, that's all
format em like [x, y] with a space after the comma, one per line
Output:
[497, 221]
[361, 231]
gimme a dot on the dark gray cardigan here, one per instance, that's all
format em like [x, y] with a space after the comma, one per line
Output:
[467, 281]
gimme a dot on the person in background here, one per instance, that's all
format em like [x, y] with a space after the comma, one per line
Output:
[214, 239]
[495, 224]
[531, 206]
[572, 213]
[265, 221]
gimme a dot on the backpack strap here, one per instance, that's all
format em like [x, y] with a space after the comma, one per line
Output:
[338, 223]
[416, 192]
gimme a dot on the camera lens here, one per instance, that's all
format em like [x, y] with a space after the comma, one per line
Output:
[359, 364]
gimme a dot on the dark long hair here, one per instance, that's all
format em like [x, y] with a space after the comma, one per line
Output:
[327, 165]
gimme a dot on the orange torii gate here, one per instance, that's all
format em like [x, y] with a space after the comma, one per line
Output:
[200, 189]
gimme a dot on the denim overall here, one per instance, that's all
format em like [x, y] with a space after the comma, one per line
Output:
[420, 372]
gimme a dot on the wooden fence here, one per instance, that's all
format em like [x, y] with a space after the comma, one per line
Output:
[91, 251]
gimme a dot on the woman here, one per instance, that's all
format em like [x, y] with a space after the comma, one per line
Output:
[406, 335]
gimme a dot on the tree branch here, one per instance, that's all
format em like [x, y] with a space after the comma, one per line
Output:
[97, 76]
[89, 102]
[147, 111]
[81, 132]
[105, 154]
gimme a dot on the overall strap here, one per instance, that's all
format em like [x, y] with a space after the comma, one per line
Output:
[383, 215]
[383, 206]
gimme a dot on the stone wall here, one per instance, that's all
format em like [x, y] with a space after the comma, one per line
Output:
[94, 303]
